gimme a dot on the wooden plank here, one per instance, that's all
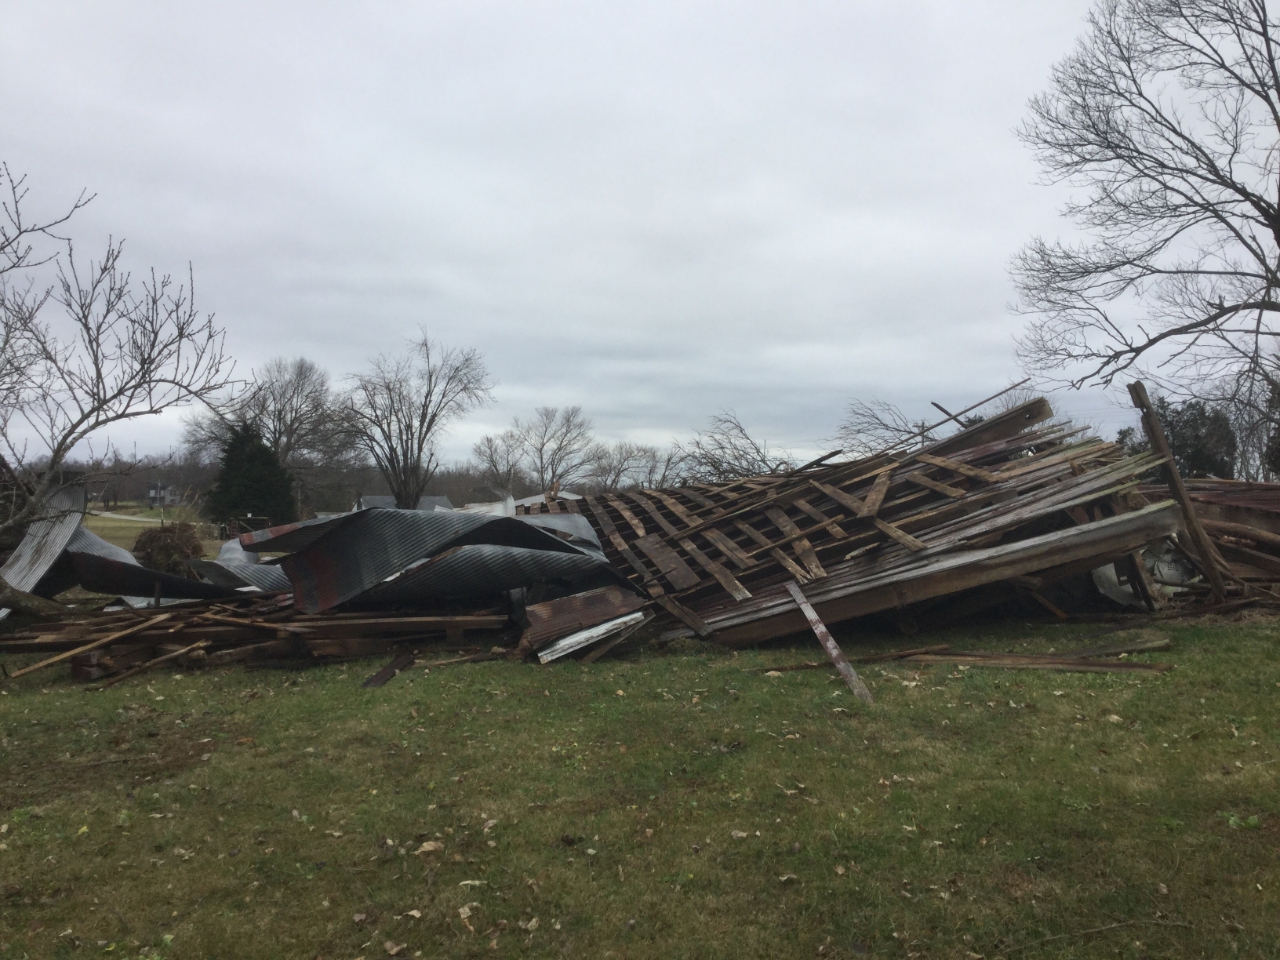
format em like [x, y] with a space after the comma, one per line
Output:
[92, 645]
[676, 507]
[668, 561]
[268, 649]
[851, 678]
[1047, 663]
[168, 657]
[955, 466]
[871, 506]
[583, 638]
[684, 615]
[693, 494]
[729, 548]
[627, 515]
[828, 522]
[802, 547]
[606, 524]
[722, 575]
[401, 661]
[654, 512]
[846, 500]
[1160, 444]
[788, 564]
[904, 538]
[919, 479]
[565, 615]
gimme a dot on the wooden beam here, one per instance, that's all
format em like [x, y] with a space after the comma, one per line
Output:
[851, 678]
[1160, 445]
[92, 645]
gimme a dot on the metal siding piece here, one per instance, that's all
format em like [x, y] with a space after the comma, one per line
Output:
[44, 542]
[482, 570]
[344, 557]
[102, 567]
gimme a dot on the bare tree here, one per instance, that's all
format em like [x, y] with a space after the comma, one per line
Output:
[621, 465]
[1167, 118]
[288, 401]
[500, 461]
[870, 426]
[725, 451]
[398, 411]
[97, 348]
[664, 468]
[558, 446]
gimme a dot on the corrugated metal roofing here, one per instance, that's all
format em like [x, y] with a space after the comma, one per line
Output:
[236, 567]
[336, 559]
[389, 503]
[483, 570]
[45, 540]
[102, 567]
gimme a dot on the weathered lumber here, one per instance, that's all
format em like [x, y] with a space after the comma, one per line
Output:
[1160, 444]
[91, 645]
[851, 678]
[150, 664]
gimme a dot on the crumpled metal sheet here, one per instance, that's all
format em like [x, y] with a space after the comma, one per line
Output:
[237, 568]
[481, 570]
[338, 558]
[44, 542]
[102, 567]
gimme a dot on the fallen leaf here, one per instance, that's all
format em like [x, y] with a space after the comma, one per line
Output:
[489, 825]
[360, 917]
[787, 876]
[1115, 719]
[1162, 889]
[532, 925]
[619, 693]
[472, 883]
[431, 846]
[466, 910]
[839, 870]
[773, 673]
[416, 914]
[393, 949]
[738, 835]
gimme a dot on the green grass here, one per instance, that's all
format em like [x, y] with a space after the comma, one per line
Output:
[124, 533]
[276, 813]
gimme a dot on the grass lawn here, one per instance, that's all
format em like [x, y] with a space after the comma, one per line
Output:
[662, 805]
[124, 533]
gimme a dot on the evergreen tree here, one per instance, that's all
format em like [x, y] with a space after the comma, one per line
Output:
[252, 481]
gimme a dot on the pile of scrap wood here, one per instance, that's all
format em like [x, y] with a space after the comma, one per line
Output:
[1014, 506]
[1012, 512]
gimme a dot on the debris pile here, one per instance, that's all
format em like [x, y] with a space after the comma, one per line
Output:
[1013, 510]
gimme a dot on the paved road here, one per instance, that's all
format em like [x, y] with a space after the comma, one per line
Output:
[121, 516]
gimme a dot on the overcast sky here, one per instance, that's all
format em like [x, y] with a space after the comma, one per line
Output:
[656, 211]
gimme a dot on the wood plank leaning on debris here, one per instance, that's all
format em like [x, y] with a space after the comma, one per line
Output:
[1160, 444]
[851, 678]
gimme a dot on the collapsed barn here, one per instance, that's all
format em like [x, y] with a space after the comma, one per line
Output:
[1013, 512]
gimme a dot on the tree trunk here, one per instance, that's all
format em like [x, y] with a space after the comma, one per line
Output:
[30, 604]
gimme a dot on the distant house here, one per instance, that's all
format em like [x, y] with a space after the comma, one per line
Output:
[424, 503]
[163, 495]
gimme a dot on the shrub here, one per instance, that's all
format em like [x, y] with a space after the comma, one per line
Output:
[168, 548]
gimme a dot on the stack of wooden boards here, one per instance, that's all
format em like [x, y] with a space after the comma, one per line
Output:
[222, 632]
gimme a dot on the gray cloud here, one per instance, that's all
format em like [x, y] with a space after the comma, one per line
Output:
[654, 210]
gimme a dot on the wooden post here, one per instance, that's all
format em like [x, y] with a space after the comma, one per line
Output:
[1160, 445]
[829, 644]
